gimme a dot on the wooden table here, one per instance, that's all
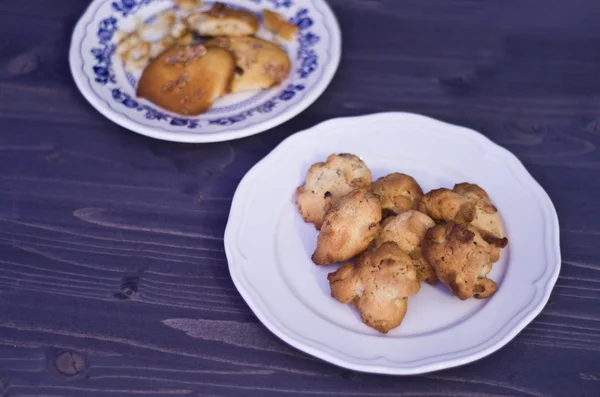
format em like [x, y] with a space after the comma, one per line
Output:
[113, 278]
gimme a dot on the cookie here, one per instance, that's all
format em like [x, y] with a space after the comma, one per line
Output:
[461, 259]
[407, 230]
[160, 46]
[398, 192]
[134, 52]
[327, 182]
[378, 286]
[260, 64]
[186, 80]
[189, 5]
[446, 205]
[486, 218]
[136, 49]
[348, 228]
[386, 221]
[278, 25]
[222, 20]
[425, 272]
[467, 203]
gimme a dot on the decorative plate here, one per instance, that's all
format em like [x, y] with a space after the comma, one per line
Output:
[269, 247]
[101, 78]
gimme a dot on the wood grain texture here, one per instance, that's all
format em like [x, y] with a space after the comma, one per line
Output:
[113, 277]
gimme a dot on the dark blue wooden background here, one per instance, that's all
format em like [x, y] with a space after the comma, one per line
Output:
[113, 279]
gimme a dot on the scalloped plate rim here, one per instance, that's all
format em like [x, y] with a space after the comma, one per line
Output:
[547, 279]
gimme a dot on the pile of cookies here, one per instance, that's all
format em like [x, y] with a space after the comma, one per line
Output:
[186, 78]
[391, 237]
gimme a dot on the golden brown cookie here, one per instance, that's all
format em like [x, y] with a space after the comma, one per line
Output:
[398, 192]
[407, 230]
[134, 52]
[446, 205]
[165, 24]
[461, 259]
[186, 80]
[160, 46]
[149, 40]
[222, 20]
[425, 272]
[276, 23]
[260, 64]
[348, 228]
[486, 218]
[188, 5]
[378, 286]
[469, 204]
[327, 182]
[386, 221]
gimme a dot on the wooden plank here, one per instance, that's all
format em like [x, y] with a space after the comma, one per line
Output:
[113, 277]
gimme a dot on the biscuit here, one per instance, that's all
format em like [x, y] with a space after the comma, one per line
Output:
[461, 259]
[134, 52]
[327, 182]
[407, 230]
[278, 25]
[446, 205]
[348, 228]
[386, 221]
[149, 40]
[467, 203]
[160, 46]
[188, 5]
[378, 286]
[186, 80]
[486, 218]
[260, 64]
[425, 272]
[162, 26]
[222, 20]
[398, 192]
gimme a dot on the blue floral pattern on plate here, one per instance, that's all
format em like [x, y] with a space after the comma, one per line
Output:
[104, 74]
[103, 81]
[128, 7]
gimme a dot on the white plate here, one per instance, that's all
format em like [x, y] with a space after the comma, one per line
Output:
[101, 78]
[269, 247]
